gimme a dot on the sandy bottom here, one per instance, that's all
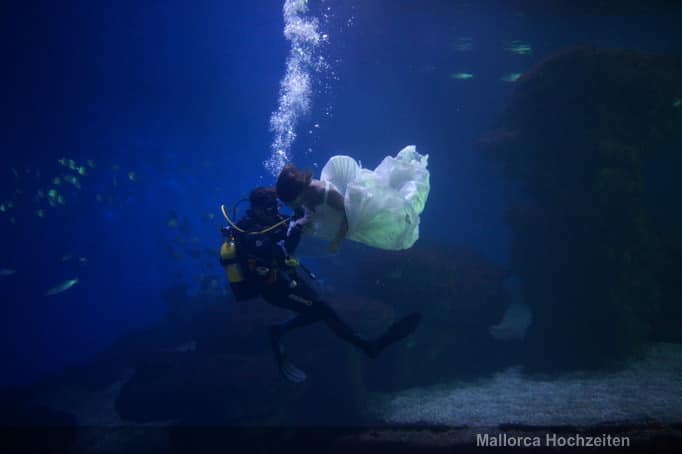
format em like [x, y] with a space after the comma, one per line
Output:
[648, 389]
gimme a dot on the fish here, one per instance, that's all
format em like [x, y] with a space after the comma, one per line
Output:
[4, 272]
[461, 76]
[64, 286]
[677, 103]
[396, 274]
[464, 44]
[519, 48]
[132, 176]
[74, 181]
[184, 348]
[66, 257]
[511, 77]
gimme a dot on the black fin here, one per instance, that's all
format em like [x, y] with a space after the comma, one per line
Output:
[396, 332]
[291, 372]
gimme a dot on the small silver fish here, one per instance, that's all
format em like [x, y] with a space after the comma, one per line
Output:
[395, 274]
[461, 76]
[188, 347]
[464, 44]
[4, 272]
[511, 77]
[519, 48]
[64, 286]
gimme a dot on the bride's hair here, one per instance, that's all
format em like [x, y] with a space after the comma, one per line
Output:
[291, 182]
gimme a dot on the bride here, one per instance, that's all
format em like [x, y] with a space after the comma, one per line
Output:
[379, 208]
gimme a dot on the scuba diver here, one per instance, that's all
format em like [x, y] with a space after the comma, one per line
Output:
[257, 257]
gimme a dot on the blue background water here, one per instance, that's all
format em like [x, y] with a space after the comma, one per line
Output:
[180, 93]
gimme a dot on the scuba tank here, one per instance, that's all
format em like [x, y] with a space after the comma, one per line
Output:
[233, 268]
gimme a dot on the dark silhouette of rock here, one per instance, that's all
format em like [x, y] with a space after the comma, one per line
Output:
[205, 389]
[460, 295]
[30, 427]
[575, 134]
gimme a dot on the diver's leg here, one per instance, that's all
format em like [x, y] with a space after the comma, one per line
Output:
[299, 299]
[296, 321]
[277, 330]
[341, 328]
[397, 331]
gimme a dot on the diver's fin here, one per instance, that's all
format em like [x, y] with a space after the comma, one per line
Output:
[291, 372]
[397, 331]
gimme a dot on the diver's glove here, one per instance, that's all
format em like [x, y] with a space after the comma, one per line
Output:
[288, 260]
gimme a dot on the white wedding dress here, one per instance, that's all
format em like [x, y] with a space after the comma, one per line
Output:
[382, 205]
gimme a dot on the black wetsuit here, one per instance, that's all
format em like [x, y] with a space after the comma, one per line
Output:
[264, 259]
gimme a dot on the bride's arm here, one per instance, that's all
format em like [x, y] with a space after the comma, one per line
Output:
[335, 200]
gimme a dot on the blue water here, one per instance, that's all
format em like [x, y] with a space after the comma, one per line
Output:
[171, 102]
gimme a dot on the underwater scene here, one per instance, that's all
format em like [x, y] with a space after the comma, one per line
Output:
[337, 226]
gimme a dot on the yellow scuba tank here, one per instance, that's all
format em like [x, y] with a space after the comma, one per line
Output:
[242, 288]
[228, 258]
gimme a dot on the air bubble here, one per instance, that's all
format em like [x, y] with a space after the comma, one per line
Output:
[296, 85]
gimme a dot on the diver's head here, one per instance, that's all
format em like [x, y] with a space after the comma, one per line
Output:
[291, 183]
[263, 202]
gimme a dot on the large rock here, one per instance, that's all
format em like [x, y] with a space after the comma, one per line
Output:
[578, 129]
[460, 295]
[205, 388]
